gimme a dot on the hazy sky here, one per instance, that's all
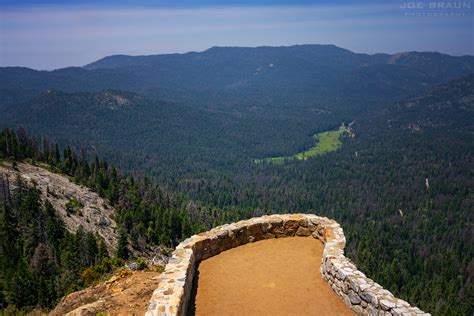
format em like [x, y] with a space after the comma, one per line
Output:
[55, 34]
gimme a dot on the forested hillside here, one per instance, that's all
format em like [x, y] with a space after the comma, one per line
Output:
[184, 130]
[40, 260]
[166, 140]
[402, 189]
[77, 206]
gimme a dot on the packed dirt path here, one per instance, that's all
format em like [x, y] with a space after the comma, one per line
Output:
[269, 277]
[127, 293]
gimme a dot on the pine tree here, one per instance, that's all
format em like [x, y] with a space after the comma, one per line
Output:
[102, 250]
[122, 246]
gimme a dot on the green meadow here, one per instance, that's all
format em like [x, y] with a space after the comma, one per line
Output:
[324, 142]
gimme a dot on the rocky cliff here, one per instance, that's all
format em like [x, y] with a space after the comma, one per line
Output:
[76, 205]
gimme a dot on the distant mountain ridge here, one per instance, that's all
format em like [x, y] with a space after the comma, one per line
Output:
[313, 50]
[245, 75]
[256, 53]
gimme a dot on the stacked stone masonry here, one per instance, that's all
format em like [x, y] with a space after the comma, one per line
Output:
[359, 293]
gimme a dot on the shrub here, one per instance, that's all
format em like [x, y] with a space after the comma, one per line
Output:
[90, 276]
[142, 264]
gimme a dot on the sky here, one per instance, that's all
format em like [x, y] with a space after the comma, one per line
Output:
[54, 34]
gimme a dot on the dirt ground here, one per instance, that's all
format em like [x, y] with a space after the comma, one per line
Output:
[127, 293]
[269, 277]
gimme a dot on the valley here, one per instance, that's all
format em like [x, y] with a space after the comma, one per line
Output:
[172, 145]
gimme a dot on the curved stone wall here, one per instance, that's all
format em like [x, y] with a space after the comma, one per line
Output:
[361, 294]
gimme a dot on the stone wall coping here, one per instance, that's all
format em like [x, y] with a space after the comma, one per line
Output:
[359, 293]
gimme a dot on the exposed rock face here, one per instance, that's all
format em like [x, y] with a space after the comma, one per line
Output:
[88, 210]
[359, 293]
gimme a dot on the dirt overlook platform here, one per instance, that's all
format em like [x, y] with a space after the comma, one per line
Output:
[359, 293]
[270, 277]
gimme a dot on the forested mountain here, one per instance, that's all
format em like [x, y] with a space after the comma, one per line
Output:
[239, 76]
[309, 70]
[222, 107]
[400, 185]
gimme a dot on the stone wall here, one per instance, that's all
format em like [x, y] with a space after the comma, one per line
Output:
[361, 294]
